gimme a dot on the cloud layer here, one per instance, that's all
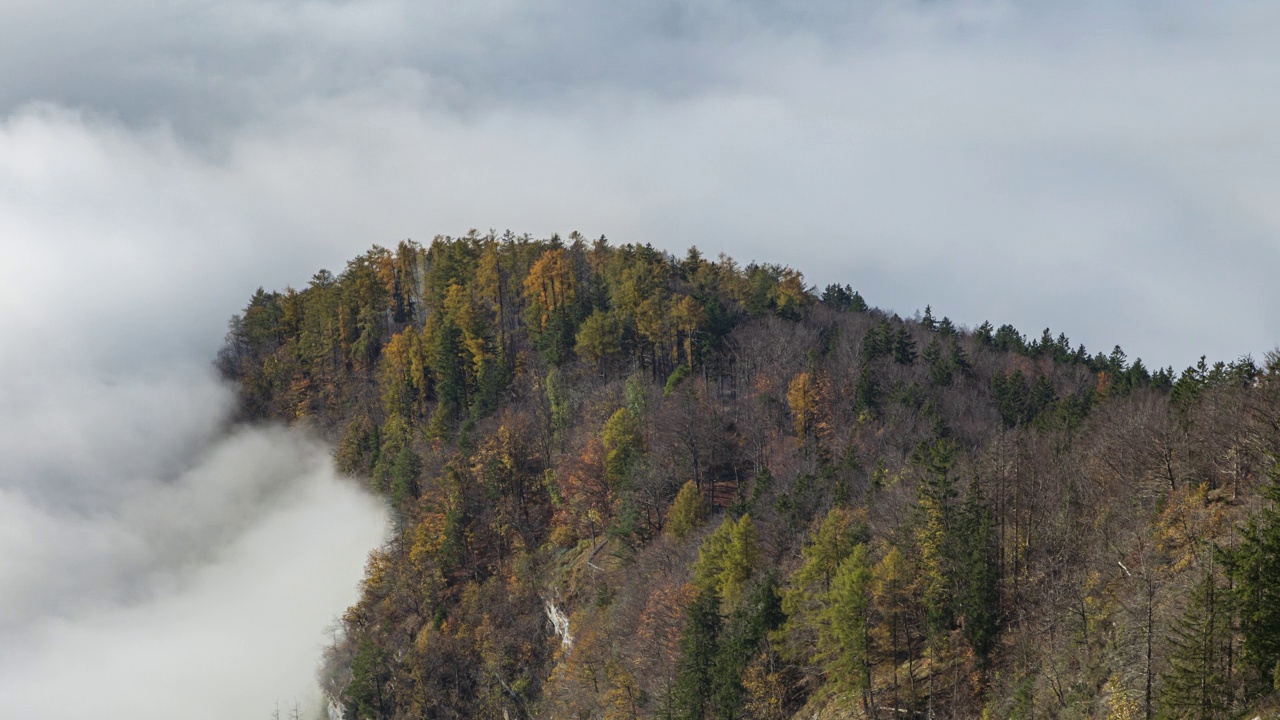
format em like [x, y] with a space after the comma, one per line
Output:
[1105, 170]
[153, 562]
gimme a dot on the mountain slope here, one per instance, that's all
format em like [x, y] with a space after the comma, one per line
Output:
[631, 485]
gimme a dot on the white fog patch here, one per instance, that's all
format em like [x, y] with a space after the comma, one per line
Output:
[271, 544]
[154, 562]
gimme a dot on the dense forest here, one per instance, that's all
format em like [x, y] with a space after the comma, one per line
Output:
[628, 484]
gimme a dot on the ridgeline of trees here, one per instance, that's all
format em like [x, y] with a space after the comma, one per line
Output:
[751, 500]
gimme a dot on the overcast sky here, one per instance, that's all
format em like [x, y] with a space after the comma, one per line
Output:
[1106, 169]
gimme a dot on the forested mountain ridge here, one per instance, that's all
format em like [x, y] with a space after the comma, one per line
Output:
[631, 485]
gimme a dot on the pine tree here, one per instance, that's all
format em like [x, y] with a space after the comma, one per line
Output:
[404, 476]
[748, 625]
[878, 341]
[939, 364]
[904, 348]
[978, 597]
[699, 646]
[1198, 683]
[370, 672]
[857, 304]
[1254, 567]
[959, 359]
[985, 334]
[928, 322]
[866, 393]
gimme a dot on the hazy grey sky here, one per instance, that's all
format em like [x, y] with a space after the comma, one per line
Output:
[1103, 168]
[1107, 169]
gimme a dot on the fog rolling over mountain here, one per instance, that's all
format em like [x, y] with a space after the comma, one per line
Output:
[153, 561]
[1106, 171]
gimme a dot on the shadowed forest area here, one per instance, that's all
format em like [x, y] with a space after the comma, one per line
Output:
[632, 485]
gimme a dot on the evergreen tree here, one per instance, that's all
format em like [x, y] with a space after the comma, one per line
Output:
[1008, 339]
[404, 476]
[928, 322]
[747, 626]
[1198, 683]
[1254, 567]
[367, 695]
[1013, 397]
[699, 645]
[857, 304]
[904, 347]
[878, 341]
[838, 297]
[959, 359]
[978, 596]
[449, 375]
[984, 334]
[1043, 397]
[866, 393]
[939, 364]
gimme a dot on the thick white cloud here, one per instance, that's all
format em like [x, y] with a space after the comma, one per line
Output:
[207, 595]
[153, 562]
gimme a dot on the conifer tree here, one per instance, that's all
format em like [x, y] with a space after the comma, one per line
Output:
[844, 641]
[978, 597]
[1198, 683]
[809, 585]
[939, 364]
[857, 303]
[866, 393]
[959, 359]
[1254, 567]
[928, 322]
[934, 536]
[687, 511]
[727, 560]
[699, 645]
[985, 334]
[904, 347]
[743, 631]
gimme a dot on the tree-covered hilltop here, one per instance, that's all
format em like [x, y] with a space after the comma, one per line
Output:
[633, 485]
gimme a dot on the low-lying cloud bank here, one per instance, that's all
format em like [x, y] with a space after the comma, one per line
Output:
[154, 562]
[204, 595]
